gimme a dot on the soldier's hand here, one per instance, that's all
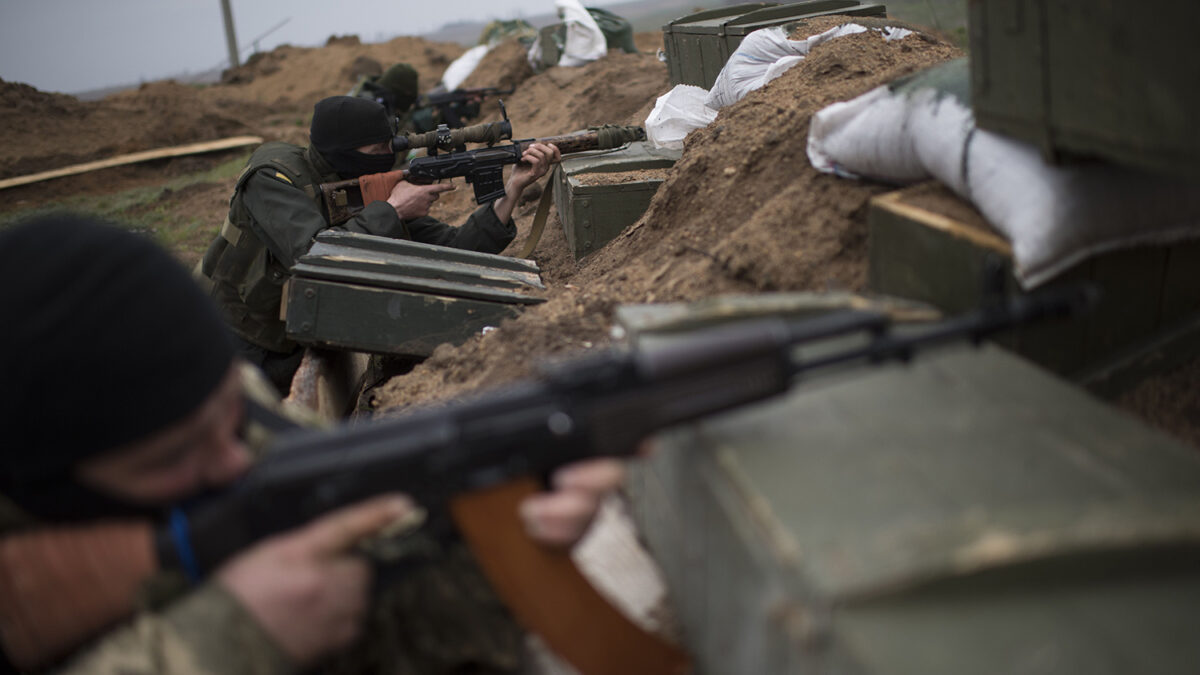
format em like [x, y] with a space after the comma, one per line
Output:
[535, 162]
[561, 517]
[413, 201]
[306, 587]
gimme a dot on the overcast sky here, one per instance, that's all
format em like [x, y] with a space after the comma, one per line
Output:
[76, 45]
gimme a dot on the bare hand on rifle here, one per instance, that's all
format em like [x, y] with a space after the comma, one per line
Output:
[535, 162]
[413, 201]
[308, 588]
[562, 517]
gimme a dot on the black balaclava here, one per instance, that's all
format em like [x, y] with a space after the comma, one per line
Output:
[106, 341]
[342, 123]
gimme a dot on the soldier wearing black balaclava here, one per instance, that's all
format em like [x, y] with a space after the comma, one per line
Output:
[277, 210]
[122, 396]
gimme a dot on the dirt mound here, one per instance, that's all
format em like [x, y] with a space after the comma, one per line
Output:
[742, 212]
[504, 67]
[271, 96]
[39, 132]
[301, 76]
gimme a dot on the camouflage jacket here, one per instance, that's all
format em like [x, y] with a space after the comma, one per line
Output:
[437, 616]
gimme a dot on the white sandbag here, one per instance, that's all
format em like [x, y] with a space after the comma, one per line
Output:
[676, 113]
[1054, 216]
[766, 53]
[585, 41]
[462, 67]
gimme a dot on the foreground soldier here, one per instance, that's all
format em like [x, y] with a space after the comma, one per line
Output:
[122, 397]
[276, 210]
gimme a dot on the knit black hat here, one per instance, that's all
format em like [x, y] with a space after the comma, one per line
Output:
[106, 340]
[348, 122]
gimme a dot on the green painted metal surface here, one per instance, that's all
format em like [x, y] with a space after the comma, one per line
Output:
[389, 296]
[698, 45]
[966, 513]
[1146, 292]
[1101, 78]
[592, 215]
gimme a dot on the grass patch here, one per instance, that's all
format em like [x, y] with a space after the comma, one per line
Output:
[143, 209]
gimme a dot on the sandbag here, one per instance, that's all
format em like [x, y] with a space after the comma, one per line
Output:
[676, 113]
[584, 40]
[766, 53]
[462, 67]
[922, 127]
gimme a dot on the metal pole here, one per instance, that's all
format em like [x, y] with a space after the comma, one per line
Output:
[230, 36]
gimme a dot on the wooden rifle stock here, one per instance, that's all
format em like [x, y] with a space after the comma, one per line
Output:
[548, 595]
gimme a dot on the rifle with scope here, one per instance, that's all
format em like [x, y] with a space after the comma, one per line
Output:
[448, 158]
[455, 107]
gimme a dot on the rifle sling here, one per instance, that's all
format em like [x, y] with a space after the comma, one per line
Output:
[549, 596]
[539, 219]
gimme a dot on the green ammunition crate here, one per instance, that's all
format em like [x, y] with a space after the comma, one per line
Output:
[1104, 79]
[965, 513]
[1147, 319]
[388, 296]
[698, 45]
[592, 215]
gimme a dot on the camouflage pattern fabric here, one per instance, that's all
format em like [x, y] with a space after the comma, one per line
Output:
[207, 632]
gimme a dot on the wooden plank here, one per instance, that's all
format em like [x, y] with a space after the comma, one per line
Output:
[893, 201]
[133, 158]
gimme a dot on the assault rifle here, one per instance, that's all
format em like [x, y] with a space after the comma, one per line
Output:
[483, 168]
[472, 462]
[465, 455]
[456, 106]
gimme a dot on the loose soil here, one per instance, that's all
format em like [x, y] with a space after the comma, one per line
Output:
[741, 212]
[619, 177]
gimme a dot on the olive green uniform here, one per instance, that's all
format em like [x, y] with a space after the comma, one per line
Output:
[274, 214]
[437, 615]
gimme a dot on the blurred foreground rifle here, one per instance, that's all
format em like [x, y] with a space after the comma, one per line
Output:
[483, 168]
[472, 463]
[454, 107]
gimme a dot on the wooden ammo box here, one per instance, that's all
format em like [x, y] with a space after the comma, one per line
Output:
[389, 296]
[594, 211]
[928, 245]
[1116, 80]
[965, 513]
[698, 45]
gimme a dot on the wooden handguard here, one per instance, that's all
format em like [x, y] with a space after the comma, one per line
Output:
[377, 187]
[549, 596]
[62, 586]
